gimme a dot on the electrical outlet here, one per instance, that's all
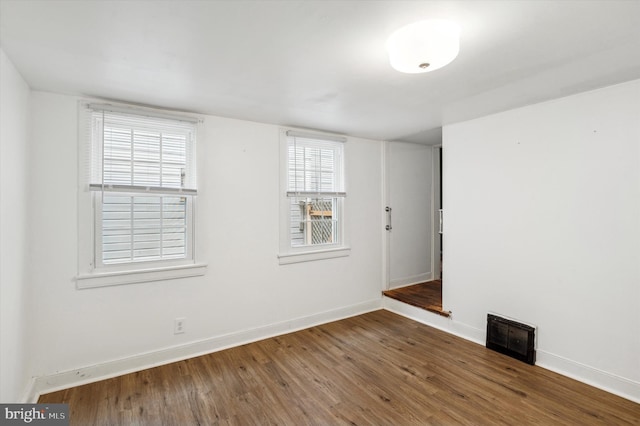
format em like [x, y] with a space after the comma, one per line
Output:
[179, 325]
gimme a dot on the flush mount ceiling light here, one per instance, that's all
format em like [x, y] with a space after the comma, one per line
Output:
[424, 46]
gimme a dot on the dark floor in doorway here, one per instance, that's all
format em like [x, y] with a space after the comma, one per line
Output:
[427, 295]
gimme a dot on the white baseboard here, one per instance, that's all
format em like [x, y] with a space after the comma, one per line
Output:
[434, 320]
[30, 395]
[106, 370]
[406, 281]
[600, 379]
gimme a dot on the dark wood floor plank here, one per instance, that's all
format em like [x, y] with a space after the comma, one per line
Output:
[377, 368]
[427, 295]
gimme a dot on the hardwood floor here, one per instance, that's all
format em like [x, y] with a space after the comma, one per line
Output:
[373, 369]
[426, 295]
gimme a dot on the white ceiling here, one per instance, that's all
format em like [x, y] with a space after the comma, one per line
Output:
[321, 64]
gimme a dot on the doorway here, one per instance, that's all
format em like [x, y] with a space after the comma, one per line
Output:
[409, 198]
[414, 200]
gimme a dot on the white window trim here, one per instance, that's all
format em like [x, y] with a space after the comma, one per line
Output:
[91, 275]
[290, 255]
[104, 279]
[308, 256]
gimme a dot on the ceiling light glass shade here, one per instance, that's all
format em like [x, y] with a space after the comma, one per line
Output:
[424, 46]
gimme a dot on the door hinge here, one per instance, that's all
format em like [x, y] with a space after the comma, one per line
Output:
[388, 227]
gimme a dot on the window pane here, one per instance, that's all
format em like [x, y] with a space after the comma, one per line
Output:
[314, 221]
[143, 228]
[117, 155]
[311, 168]
[137, 155]
[146, 158]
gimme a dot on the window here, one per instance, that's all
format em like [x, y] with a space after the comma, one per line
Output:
[313, 199]
[141, 189]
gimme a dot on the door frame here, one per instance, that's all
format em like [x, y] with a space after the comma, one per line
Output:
[386, 237]
[435, 216]
[386, 240]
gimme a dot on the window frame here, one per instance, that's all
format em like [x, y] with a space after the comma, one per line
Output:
[289, 254]
[92, 272]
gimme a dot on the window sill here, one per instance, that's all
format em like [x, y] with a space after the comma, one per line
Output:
[105, 279]
[309, 256]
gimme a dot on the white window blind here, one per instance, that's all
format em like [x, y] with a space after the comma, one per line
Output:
[143, 174]
[315, 187]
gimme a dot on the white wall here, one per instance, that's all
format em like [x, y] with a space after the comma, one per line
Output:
[14, 106]
[542, 224]
[244, 295]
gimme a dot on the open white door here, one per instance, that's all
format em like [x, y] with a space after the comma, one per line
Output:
[409, 187]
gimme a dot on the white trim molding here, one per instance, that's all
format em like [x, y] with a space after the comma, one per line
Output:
[600, 379]
[446, 324]
[289, 258]
[415, 279]
[597, 378]
[104, 279]
[118, 367]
